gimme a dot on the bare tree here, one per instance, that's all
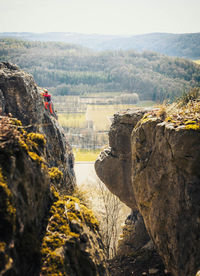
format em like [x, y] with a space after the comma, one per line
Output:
[109, 218]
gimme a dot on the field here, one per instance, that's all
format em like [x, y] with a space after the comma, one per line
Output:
[85, 155]
[76, 120]
[101, 115]
[87, 123]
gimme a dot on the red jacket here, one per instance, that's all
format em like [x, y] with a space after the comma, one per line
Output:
[47, 97]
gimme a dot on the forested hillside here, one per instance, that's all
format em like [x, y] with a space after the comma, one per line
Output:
[69, 69]
[180, 45]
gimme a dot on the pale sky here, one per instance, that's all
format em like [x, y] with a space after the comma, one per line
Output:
[126, 17]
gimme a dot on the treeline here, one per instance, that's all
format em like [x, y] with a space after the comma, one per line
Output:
[68, 69]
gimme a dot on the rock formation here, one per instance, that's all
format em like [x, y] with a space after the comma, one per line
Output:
[114, 164]
[160, 159]
[43, 230]
[20, 97]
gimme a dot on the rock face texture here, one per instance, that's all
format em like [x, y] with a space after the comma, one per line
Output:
[43, 230]
[162, 180]
[114, 164]
[20, 96]
[134, 235]
[166, 183]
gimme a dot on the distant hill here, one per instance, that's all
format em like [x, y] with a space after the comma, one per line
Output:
[179, 45]
[69, 69]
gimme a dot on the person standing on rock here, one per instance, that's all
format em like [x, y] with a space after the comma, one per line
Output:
[48, 103]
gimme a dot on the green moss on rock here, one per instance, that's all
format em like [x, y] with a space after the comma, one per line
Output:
[7, 211]
[55, 174]
[66, 224]
[192, 126]
[38, 138]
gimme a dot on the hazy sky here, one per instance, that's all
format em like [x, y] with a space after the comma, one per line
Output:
[100, 16]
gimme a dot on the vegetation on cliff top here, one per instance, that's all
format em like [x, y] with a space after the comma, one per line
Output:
[184, 113]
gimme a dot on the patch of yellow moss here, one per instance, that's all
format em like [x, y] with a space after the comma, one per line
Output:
[34, 156]
[168, 119]
[7, 210]
[187, 115]
[55, 174]
[190, 122]
[192, 126]
[147, 117]
[2, 246]
[145, 120]
[23, 144]
[57, 265]
[65, 211]
[16, 122]
[37, 138]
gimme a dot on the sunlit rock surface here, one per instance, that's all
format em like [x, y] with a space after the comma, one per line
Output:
[20, 96]
[113, 166]
[166, 183]
[154, 167]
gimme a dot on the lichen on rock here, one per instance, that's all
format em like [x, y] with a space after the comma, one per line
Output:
[68, 238]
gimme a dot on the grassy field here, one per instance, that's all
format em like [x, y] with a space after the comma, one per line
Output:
[86, 155]
[101, 115]
[72, 120]
[101, 95]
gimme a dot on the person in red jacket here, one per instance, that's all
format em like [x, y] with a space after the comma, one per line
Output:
[47, 101]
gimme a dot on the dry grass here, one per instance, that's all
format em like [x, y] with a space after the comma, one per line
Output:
[185, 112]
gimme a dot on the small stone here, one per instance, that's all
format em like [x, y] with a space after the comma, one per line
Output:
[153, 270]
[144, 273]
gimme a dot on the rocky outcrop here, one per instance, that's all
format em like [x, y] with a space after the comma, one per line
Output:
[162, 165]
[20, 97]
[113, 166]
[43, 230]
[166, 178]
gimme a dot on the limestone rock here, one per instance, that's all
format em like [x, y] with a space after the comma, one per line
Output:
[113, 166]
[20, 96]
[24, 201]
[166, 178]
[134, 235]
[161, 179]
[72, 244]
